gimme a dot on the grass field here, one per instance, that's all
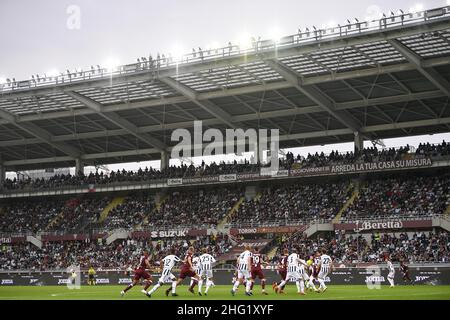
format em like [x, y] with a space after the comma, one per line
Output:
[337, 292]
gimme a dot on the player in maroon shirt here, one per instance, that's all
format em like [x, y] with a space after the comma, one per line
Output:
[256, 270]
[187, 270]
[282, 268]
[141, 273]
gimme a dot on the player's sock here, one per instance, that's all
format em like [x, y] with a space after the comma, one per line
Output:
[322, 283]
[193, 284]
[391, 281]
[311, 282]
[200, 285]
[297, 283]
[128, 287]
[263, 285]
[155, 287]
[236, 285]
[282, 284]
[174, 286]
[302, 287]
[251, 286]
[209, 283]
[248, 286]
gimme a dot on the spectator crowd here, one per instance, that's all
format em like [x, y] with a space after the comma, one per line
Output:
[413, 247]
[121, 254]
[371, 154]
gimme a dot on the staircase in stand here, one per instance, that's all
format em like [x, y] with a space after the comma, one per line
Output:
[229, 215]
[347, 204]
[106, 211]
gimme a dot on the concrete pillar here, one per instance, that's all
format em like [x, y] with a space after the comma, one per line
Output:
[164, 160]
[2, 172]
[359, 142]
[79, 167]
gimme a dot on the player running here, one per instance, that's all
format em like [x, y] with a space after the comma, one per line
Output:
[295, 272]
[405, 271]
[325, 267]
[256, 270]
[196, 266]
[282, 269]
[166, 275]
[187, 270]
[206, 263]
[391, 273]
[314, 271]
[141, 273]
[244, 263]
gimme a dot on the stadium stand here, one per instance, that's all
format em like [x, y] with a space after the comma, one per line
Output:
[295, 203]
[401, 197]
[118, 255]
[414, 247]
[371, 154]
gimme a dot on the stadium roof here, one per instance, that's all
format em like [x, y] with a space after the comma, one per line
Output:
[385, 78]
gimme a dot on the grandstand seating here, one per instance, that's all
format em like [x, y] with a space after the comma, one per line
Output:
[401, 197]
[148, 174]
[297, 202]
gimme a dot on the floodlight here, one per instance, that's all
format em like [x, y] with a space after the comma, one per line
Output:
[245, 40]
[275, 34]
[111, 63]
[417, 8]
[53, 73]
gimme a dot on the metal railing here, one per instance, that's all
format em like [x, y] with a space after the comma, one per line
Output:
[257, 46]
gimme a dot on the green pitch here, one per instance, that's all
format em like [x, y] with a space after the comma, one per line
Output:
[334, 292]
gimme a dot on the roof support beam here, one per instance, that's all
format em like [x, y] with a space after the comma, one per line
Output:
[204, 104]
[290, 137]
[428, 72]
[41, 134]
[234, 91]
[118, 120]
[313, 93]
[241, 118]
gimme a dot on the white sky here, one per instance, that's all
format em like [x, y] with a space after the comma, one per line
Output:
[36, 39]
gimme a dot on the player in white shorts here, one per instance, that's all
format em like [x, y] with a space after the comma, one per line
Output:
[166, 275]
[325, 267]
[295, 272]
[206, 263]
[391, 273]
[244, 264]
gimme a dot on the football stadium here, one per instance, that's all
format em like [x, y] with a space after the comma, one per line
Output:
[311, 165]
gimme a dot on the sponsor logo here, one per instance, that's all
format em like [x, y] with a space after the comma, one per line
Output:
[368, 225]
[252, 244]
[169, 233]
[249, 230]
[125, 280]
[64, 281]
[280, 173]
[227, 177]
[174, 182]
[422, 278]
[102, 280]
[7, 281]
[375, 279]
